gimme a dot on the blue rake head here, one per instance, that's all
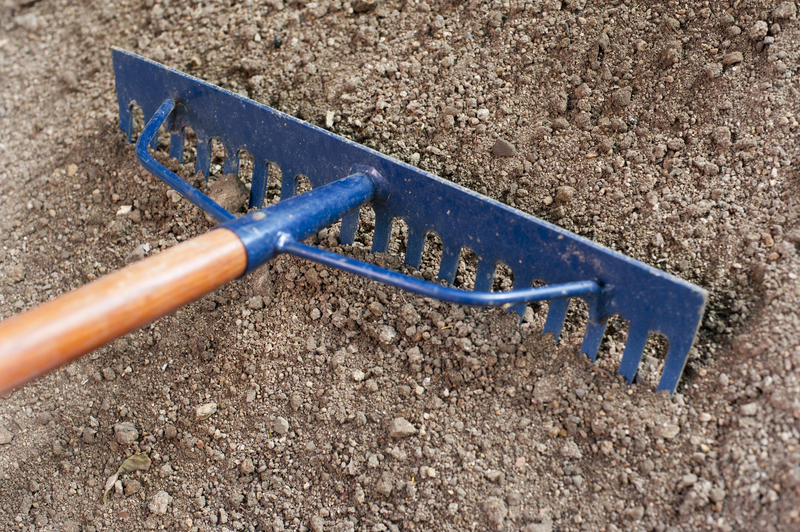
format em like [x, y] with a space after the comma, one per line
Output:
[345, 175]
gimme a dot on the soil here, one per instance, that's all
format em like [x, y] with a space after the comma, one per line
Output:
[666, 130]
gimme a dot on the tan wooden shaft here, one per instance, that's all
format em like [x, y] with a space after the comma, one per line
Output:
[61, 330]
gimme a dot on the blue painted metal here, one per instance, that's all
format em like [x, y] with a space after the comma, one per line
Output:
[267, 232]
[535, 251]
[143, 145]
[282, 227]
[557, 292]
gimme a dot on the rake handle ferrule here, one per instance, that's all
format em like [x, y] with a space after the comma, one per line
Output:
[61, 330]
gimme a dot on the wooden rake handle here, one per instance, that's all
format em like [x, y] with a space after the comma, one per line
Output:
[62, 330]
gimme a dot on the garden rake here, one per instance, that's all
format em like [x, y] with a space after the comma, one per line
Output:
[547, 262]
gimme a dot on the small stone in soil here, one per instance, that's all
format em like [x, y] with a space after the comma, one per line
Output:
[255, 303]
[280, 425]
[503, 148]
[160, 503]
[385, 484]
[125, 433]
[564, 194]
[732, 58]
[668, 431]
[784, 11]
[496, 511]
[317, 524]
[247, 466]
[493, 475]
[205, 411]
[621, 97]
[400, 428]
[229, 192]
[132, 486]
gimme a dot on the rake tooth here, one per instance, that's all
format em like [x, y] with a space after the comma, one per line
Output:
[415, 246]
[347, 232]
[126, 123]
[592, 338]
[634, 347]
[677, 354]
[449, 265]
[231, 163]
[555, 317]
[522, 280]
[176, 145]
[287, 185]
[258, 187]
[383, 231]
[203, 158]
[484, 275]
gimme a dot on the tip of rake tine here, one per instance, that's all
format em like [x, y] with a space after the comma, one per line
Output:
[677, 355]
[634, 348]
[176, 146]
[592, 339]
[555, 318]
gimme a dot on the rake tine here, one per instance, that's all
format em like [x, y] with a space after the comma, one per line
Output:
[258, 186]
[521, 279]
[677, 353]
[126, 124]
[383, 231]
[484, 275]
[231, 164]
[593, 337]
[203, 161]
[449, 265]
[415, 246]
[555, 317]
[347, 233]
[634, 347]
[287, 186]
[176, 140]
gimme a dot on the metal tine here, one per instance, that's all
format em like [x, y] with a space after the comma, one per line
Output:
[677, 353]
[415, 246]
[288, 183]
[258, 186]
[521, 280]
[347, 232]
[593, 337]
[485, 275]
[449, 265]
[126, 122]
[634, 347]
[176, 140]
[289, 173]
[555, 317]
[383, 231]
[230, 164]
[203, 158]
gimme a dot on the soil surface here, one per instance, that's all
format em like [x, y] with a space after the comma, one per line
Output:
[302, 398]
